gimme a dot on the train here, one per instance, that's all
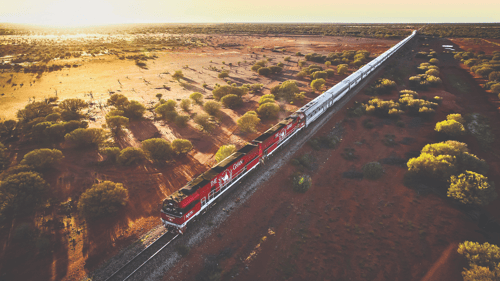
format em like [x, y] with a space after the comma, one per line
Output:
[199, 194]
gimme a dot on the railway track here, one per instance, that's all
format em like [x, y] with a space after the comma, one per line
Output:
[132, 267]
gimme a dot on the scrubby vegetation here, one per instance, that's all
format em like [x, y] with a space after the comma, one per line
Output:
[301, 182]
[102, 199]
[224, 151]
[483, 260]
[248, 122]
[157, 149]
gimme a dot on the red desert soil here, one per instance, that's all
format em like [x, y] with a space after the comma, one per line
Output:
[347, 229]
[78, 247]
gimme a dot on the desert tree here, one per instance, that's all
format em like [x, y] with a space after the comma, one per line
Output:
[71, 108]
[87, 137]
[157, 149]
[102, 199]
[134, 110]
[42, 158]
[483, 260]
[22, 192]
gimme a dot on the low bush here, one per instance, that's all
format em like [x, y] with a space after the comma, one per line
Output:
[130, 156]
[211, 107]
[348, 154]
[317, 84]
[301, 182]
[471, 188]
[268, 110]
[181, 121]
[372, 170]
[203, 120]
[196, 97]
[248, 122]
[231, 101]
[102, 199]
[224, 151]
[111, 153]
[450, 128]
[182, 146]
[157, 149]
[185, 104]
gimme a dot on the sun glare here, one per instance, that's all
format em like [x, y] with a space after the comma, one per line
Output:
[71, 13]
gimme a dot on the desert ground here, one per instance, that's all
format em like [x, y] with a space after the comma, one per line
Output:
[79, 247]
[359, 229]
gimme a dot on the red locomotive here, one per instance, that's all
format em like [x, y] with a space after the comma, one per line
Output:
[197, 195]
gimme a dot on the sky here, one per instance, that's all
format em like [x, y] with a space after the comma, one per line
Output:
[69, 13]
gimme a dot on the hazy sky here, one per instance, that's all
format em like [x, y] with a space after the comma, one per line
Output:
[85, 12]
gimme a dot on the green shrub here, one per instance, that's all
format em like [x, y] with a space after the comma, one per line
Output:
[471, 188]
[221, 91]
[231, 101]
[342, 69]
[268, 110]
[115, 123]
[33, 111]
[196, 97]
[483, 255]
[274, 69]
[265, 71]
[102, 199]
[204, 121]
[111, 153]
[134, 110]
[22, 192]
[224, 151]
[130, 156]
[183, 250]
[317, 84]
[450, 128]
[301, 182]
[496, 88]
[434, 61]
[185, 104]
[494, 76]
[181, 120]
[248, 122]
[432, 72]
[372, 170]
[223, 74]
[118, 100]
[170, 116]
[42, 158]
[211, 107]
[178, 75]
[157, 149]
[86, 137]
[181, 146]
